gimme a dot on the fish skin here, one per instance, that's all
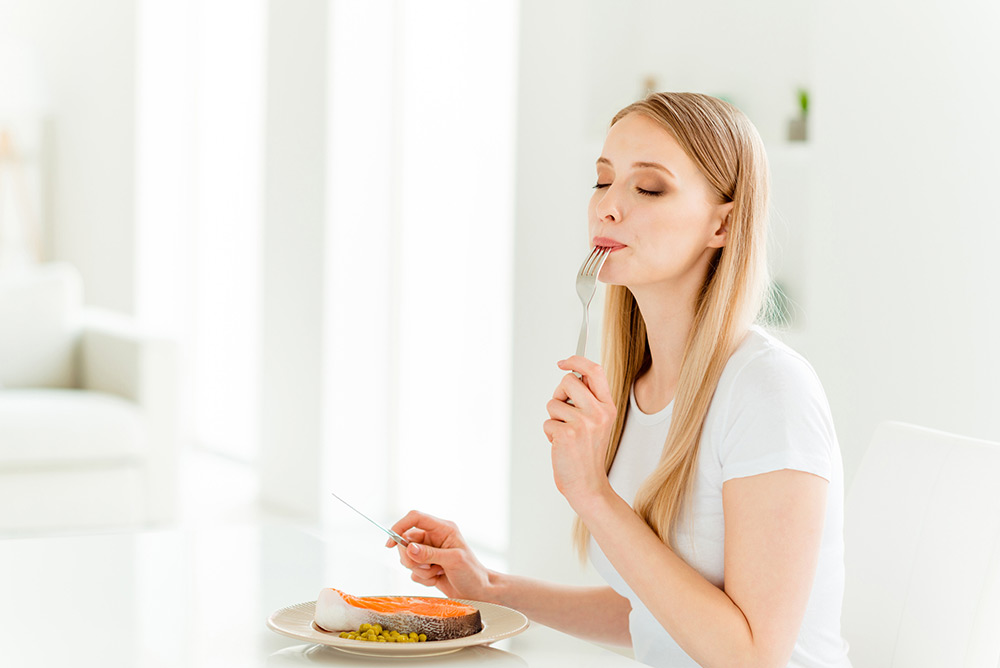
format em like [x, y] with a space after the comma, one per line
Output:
[334, 613]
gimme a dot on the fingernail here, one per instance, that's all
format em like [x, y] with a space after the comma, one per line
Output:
[413, 549]
[426, 567]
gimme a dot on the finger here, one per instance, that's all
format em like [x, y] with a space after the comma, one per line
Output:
[593, 375]
[561, 393]
[424, 570]
[438, 531]
[550, 428]
[426, 581]
[574, 389]
[432, 572]
[414, 536]
[560, 410]
[412, 519]
[425, 554]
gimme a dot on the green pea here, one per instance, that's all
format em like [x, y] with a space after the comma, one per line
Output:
[375, 633]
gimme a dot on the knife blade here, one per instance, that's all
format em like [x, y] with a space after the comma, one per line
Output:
[395, 536]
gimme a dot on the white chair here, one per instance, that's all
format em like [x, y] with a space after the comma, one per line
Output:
[87, 411]
[922, 552]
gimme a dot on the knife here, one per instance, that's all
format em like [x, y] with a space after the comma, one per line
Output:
[395, 536]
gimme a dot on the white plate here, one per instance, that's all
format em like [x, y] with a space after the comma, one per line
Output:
[296, 621]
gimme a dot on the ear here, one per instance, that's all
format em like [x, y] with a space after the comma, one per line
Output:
[721, 234]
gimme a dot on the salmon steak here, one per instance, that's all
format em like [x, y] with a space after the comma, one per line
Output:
[437, 618]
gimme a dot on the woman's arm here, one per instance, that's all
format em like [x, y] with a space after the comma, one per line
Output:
[773, 526]
[438, 556]
[773, 522]
[594, 613]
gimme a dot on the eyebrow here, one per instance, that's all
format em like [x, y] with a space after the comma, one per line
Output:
[639, 165]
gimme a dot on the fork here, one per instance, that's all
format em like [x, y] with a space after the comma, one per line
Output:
[586, 286]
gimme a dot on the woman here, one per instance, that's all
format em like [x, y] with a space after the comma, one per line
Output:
[703, 468]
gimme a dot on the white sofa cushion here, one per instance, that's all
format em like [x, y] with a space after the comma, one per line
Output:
[40, 312]
[60, 499]
[53, 428]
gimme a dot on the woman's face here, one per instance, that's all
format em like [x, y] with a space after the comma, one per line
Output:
[654, 207]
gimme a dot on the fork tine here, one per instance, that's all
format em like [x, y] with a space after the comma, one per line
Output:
[598, 260]
[595, 260]
[583, 267]
[604, 253]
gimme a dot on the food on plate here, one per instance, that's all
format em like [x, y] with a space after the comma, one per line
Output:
[436, 618]
[377, 634]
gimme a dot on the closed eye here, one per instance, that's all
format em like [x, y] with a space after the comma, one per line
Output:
[641, 191]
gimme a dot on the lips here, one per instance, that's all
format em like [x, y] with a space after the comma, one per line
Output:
[605, 242]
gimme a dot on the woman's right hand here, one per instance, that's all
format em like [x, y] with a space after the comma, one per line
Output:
[438, 556]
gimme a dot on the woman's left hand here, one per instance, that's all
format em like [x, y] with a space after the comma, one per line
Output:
[579, 432]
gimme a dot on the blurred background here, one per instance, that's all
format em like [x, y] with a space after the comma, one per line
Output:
[290, 247]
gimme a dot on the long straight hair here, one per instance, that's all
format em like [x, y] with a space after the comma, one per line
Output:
[727, 149]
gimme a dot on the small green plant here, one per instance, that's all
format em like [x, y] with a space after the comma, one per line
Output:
[804, 102]
[776, 311]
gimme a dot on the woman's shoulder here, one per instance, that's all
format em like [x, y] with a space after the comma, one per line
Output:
[766, 377]
[763, 361]
[770, 410]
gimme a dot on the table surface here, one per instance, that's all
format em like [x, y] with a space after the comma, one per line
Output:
[200, 598]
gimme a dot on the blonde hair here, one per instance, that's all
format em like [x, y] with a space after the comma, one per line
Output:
[727, 149]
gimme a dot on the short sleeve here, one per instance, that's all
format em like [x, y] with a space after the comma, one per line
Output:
[777, 417]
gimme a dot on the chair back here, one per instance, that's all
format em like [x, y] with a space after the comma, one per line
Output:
[922, 552]
[40, 326]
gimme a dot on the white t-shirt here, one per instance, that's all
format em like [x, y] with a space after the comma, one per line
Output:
[769, 412]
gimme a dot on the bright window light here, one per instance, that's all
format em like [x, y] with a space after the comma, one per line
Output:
[230, 98]
[421, 216]
[200, 137]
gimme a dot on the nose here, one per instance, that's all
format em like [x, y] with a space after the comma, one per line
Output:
[607, 208]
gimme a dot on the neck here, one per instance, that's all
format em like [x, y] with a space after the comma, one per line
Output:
[668, 312]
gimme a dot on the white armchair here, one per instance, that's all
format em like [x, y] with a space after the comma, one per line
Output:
[922, 536]
[87, 411]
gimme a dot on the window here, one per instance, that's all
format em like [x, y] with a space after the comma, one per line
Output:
[421, 213]
[200, 137]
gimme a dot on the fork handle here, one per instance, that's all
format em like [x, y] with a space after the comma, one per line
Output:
[581, 343]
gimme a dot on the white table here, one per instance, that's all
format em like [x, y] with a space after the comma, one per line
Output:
[200, 598]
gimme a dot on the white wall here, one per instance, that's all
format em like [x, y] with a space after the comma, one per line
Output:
[88, 53]
[902, 307]
[755, 54]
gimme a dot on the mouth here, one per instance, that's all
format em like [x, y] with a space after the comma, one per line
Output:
[609, 244]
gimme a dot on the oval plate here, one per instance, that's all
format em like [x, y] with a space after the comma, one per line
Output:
[499, 622]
